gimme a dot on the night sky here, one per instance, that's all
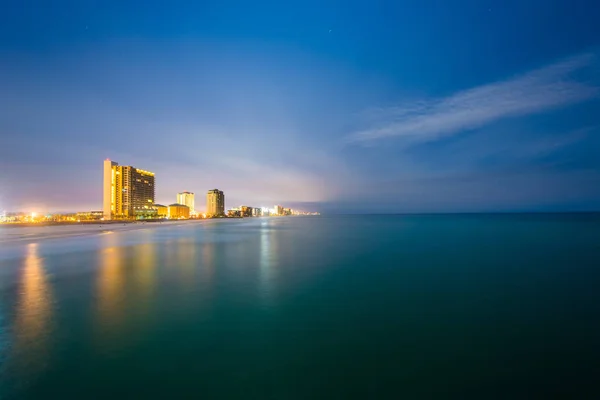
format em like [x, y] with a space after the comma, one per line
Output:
[399, 106]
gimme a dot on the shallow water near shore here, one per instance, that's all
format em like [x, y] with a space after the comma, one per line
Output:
[445, 306]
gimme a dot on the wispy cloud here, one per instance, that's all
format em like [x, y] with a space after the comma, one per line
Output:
[537, 91]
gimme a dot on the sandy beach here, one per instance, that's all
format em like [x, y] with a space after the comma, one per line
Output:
[23, 234]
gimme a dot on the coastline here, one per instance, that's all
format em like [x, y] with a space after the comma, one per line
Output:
[73, 223]
[44, 231]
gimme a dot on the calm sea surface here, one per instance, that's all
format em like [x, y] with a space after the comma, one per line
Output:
[447, 306]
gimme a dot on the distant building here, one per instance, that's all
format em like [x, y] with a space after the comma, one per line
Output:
[215, 203]
[161, 211]
[234, 212]
[89, 215]
[128, 192]
[287, 211]
[246, 211]
[278, 210]
[257, 212]
[187, 199]
[178, 211]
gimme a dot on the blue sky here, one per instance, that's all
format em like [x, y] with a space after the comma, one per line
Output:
[404, 106]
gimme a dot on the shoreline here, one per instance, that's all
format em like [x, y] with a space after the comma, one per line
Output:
[81, 223]
[38, 232]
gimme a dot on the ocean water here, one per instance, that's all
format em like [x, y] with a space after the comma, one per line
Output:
[421, 306]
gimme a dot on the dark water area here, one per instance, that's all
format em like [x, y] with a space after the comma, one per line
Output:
[423, 306]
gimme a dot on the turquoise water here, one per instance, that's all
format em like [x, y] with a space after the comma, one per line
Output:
[447, 306]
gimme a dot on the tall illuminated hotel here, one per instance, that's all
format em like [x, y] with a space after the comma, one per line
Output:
[215, 203]
[128, 191]
[187, 199]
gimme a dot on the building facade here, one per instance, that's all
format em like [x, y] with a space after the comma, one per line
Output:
[187, 199]
[161, 211]
[234, 213]
[278, 210]
[128, 192]
[215, 203]
[178, 211]
[246, 211]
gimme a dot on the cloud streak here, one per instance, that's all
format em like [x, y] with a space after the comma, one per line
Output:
[534, 92]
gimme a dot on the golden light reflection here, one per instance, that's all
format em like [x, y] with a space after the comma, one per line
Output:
[111, 288]
[145, 269]
[268, 259]
[169, 253]
[33, 324]
[186, 250]
[208, 255]
[207, 268]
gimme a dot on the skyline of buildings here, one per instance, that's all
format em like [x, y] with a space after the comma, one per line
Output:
[129, 194]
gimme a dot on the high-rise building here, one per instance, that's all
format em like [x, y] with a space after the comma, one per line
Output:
[128, 192]
[187, 199]
[278, 210]
[215, 203]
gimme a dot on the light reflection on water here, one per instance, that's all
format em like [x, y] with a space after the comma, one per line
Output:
[144, 273]
[34, 315]
[119, 291]
[268, 260]
[110, 291]
[273, 308]
[186, 249]
[206, 270]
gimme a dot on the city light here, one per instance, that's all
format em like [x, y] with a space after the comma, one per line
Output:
[131, 197]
